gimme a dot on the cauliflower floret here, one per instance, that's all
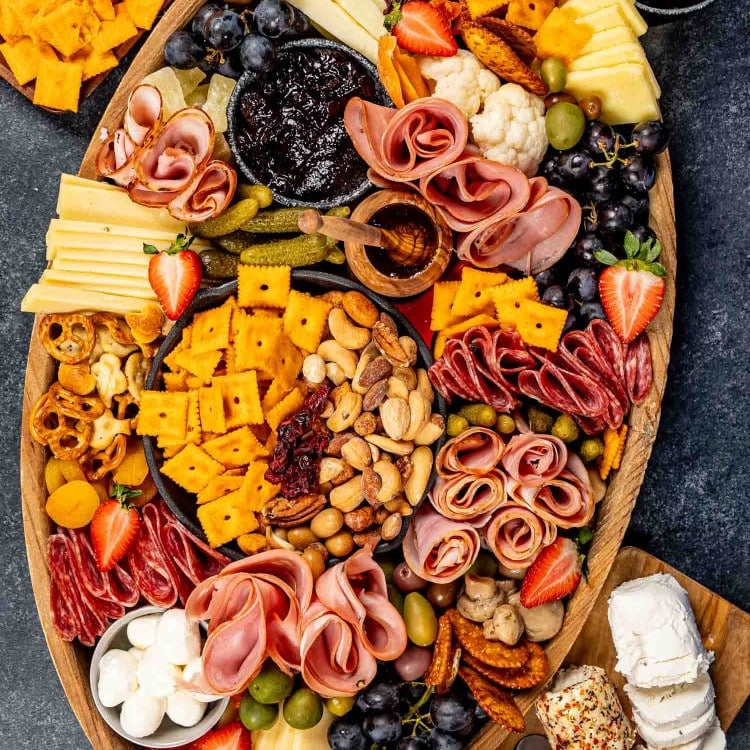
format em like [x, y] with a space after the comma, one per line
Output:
[511, 128]
[461, 80]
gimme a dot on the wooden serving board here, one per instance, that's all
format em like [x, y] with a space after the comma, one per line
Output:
[615, 510]
[88, 87]
[725, 630]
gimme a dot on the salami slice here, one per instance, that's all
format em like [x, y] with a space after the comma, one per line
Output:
[639, 373]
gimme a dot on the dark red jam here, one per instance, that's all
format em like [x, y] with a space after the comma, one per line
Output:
[290, 124]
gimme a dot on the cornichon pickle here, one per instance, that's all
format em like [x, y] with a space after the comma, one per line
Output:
[231, 220]
[456, 425]
[284, 220]
[590, 449]
[235, 242]
[261, 193]
[218, 264]
[481, 415]
[506, 425]
[299, 251]
[539, 420]
[565, 428]
[336, 256]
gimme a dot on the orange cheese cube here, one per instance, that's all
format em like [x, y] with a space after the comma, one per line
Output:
[114, 33]
[530, 14]
[560, 36]
[58, 84]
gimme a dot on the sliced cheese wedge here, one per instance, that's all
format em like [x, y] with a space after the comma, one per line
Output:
[630, 52]
[336, 21]
[366, 14]
[681, 735]
[585, 9]
[88, 200]
[127, 287]
[132, 270]
[609, 38]
[96, 257]
[625, 90]
[54, 298]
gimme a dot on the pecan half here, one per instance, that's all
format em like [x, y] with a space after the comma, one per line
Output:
[387, 341]
[286, 513]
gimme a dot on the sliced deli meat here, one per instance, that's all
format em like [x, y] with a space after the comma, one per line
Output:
[144, 113]
[516, 535]
[639, 374]
[210, 192]
[477, 451]
[533, 460]
[467, 497]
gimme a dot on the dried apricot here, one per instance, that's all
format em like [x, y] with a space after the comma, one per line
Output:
[73, 505]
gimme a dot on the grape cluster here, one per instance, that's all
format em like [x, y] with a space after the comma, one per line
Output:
[610, 174]
[228, 41]
[407, 716]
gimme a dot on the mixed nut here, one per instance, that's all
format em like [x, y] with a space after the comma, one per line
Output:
[379, 417]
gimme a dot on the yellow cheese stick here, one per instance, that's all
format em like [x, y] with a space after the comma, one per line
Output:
[96, 257]
[599, 16]
[134, 270]
[609, 38]
[88, 200]
[55, 298]
[127, 287]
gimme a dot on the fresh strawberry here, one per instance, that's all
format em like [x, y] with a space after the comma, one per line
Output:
[233, 736]
[114, 527]
[632, 289]
[555, 573]
[422, 28]
[174, 274]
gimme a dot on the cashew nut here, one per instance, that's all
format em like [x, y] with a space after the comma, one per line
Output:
[314, 369]
[348, 408]
[397, 447]
[390, 478]
[110, 379]
[431, 431]
[335, 374]
[348, 496]
[356, 452]
[345, 332]
[332, 351]
[334, 470]
[419, 413]
[421, 468]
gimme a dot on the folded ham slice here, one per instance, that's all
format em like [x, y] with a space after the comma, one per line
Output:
[210, 192]
[476, 451]
[439, 549]
[335, 661]
[467, 497]
[533, 459]
[530, 240]
[474, 190]
[409, 143]
[516, 535]
[115, 159]
[144, 114]
[356, 591]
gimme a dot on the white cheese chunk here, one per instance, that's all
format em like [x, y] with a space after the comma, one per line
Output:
[142, 631]
[117, 677]
[657, 737]
[177, 638]
[142, 713]
[184, 709]
[714, 739]
[673, 706]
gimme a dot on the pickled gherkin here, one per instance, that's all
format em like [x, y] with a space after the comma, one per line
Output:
[481, 415]
[304, 250]
[284, 220]
[261, 193]
[218, 264]
[230, 221]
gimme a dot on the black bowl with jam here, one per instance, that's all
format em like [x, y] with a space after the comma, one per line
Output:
[286, 127]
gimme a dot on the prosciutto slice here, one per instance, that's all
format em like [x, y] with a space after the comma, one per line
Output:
[529, 240]
[439, 549]
[409, 143]
[474, 190]
[335, 660]
[532, 460]
[516, 535]
[467, 497]
[356, 591]
[475, 451]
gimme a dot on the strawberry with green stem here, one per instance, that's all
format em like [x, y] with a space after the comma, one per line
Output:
[175, 274]
[632, 289]
[555, 573]
[115, 526]
[422, 28]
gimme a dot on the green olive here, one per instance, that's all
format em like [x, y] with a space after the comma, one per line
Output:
[553, 73]
[271, 685]
[303, 709]
[481, 415]
[565, 123]
[456, 425]
[396, 598]
[591, 449]
[485, 566]
[387, 567]
[540, 420]
[420, 619]
[341, 704]
[256, 715]
[565, 428]
[301, 537]
[506, 425]
[340, 544]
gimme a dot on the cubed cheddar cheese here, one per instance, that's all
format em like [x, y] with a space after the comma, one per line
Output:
[58, 85]
[114, 33]
[529, 13]
[23, 59]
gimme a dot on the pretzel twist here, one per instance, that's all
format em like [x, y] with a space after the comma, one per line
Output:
[69, 338]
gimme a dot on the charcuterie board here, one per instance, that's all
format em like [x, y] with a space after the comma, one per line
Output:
[725, 630]
[71, 661]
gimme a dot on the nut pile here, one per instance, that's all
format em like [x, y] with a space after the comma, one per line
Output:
[377, 463]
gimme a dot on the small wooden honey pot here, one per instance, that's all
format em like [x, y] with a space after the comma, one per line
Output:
[396, 243]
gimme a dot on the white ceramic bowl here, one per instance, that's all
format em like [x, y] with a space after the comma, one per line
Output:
[168, 734]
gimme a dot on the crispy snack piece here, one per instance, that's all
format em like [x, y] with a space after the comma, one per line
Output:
[497, 704]
[518, 39]
[614, 446]
[117, 327]
[492, 653]
[98, 464]
[86, 408]
[531, 674]
[68, 338]
[146, 325]
[499, 57]
[439, 672]
[67, 437]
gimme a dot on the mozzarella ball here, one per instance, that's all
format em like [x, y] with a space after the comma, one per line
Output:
[117, 677]
[177, 638]
[142, 631]
[193, 673]
[185, 710]
[156, 675]
[142, 714]
[136, 653]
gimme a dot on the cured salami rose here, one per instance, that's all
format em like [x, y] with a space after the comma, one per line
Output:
[516, 535]
[409, 143]
[439, 549]
[477, 451]
[467, 497]
[533, 460]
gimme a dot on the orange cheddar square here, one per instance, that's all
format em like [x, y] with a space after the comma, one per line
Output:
[114, 33]
[443, 294]
[192, 468]
[459, 328]
[211, 401]
[473, 296]
[104, 9]
[226, 518]
[560, 36]
[143, 12]
[236, 448]
[58, 85]
[284, 408]
[23, 59]
[529, 13]
[95, 63]
[220, 486]
[256, 490]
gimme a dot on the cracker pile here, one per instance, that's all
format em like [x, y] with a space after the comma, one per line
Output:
[487, 298]
[232, 379]
[62, 43]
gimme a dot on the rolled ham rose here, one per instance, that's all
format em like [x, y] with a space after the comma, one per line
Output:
[210, 192]
[533, 460]
[516, 535]
[115, 159]
[469, 498]
[408, 143]
[567, 500]
[439, 549]
[476, 451]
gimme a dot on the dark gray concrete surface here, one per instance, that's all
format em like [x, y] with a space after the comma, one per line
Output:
[693, 508]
